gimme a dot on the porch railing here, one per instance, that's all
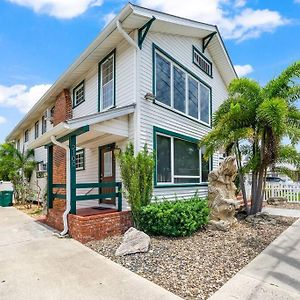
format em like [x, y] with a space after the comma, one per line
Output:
[290, 191]
[115, 186]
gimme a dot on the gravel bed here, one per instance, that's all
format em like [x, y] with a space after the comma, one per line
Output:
[197, 266]
[285, 205]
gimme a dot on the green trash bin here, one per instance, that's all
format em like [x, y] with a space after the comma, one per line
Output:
[6, 198]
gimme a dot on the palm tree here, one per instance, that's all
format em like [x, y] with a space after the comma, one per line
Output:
[253, 121]
[17, 167]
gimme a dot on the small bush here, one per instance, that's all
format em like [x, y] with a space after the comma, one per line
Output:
[174, 218]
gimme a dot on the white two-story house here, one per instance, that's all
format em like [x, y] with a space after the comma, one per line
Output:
[149, 77]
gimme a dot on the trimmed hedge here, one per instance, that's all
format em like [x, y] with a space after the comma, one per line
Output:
[174, 218]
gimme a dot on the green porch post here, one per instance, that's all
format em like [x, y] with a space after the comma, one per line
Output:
[72, 145]
[50, 176]
[119, 191]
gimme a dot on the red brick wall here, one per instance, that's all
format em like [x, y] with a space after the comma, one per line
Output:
[88, 228]
[62, 112]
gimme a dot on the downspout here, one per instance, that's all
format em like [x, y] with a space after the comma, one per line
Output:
[126, 35]
[68, 185]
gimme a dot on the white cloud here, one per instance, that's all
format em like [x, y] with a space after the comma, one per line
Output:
[240, 3]
[243, 70]
[61, 9]
[232, 17]
[2, 120]
[107, 18]
[21, 96]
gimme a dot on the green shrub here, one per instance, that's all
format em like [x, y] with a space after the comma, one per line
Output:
[174, 218]
[137, 177]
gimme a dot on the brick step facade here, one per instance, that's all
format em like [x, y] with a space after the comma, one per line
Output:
[88, 228]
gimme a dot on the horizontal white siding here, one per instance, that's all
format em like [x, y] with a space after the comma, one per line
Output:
[180, 48]
[124, 82]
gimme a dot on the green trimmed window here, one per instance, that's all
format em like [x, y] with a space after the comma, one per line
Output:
[80, 159]
[107, 82]
[78, 94]
[36, 129]
[44, 124]
[176, 87]
[179, 160]
[26, 136]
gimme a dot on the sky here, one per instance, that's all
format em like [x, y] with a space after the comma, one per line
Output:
[39, 39]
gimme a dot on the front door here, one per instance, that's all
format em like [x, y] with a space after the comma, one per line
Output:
[107, 171]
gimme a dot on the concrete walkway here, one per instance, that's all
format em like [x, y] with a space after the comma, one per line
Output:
[272, 275]
[282, 212]
[36, 265]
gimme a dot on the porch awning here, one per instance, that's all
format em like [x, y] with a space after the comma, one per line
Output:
[107, 122]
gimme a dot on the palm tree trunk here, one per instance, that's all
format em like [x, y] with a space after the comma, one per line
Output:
[241, 176]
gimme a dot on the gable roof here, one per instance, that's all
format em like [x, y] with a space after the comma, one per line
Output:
[131, 17]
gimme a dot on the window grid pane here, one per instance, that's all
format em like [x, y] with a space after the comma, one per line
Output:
[107, 81]
[204, 103]
[179, 89]
[79, 94]
[80, 159]
[163, 79]
[163, 159]
[191, 97]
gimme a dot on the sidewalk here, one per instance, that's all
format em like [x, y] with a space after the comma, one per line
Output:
[274, 274]
[36, 265]
[282, 212]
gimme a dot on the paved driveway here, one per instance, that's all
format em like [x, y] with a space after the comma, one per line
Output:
[34, 264]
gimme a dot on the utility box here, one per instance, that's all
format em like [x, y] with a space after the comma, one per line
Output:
[6, 198]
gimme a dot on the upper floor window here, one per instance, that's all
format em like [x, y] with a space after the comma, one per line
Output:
[80, 160]
[202, 62]
[179, 161]
[178, 88]
[18, 145]
[36, 130]
[44, 124]
[78, 94]
[52, 111]
[26, 135]
[107, 82]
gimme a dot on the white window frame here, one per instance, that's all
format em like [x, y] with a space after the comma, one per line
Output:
[81, 85]
[173, 176]
[112, 55]
[80, 167]
[187, 75]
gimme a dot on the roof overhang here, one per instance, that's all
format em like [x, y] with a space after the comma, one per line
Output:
[66, 128]
[131, 17]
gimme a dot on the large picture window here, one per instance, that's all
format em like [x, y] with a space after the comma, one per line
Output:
[179, 89]
[179, 161]
[107, 82]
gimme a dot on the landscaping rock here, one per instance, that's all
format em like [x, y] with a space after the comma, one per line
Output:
[221, 195]
[261, 218]
[276, 200]
[134, 241]
[197, 266]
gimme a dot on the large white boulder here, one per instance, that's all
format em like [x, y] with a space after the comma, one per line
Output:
[134, 241]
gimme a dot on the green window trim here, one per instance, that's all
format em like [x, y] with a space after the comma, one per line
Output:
[81, 168]
[26, 135]
[74, 104]
[112, 53]
[206, 60]
[36, 129]
[156, 48]
[158, 130]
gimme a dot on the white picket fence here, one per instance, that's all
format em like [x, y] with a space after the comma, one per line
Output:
[289, 191]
